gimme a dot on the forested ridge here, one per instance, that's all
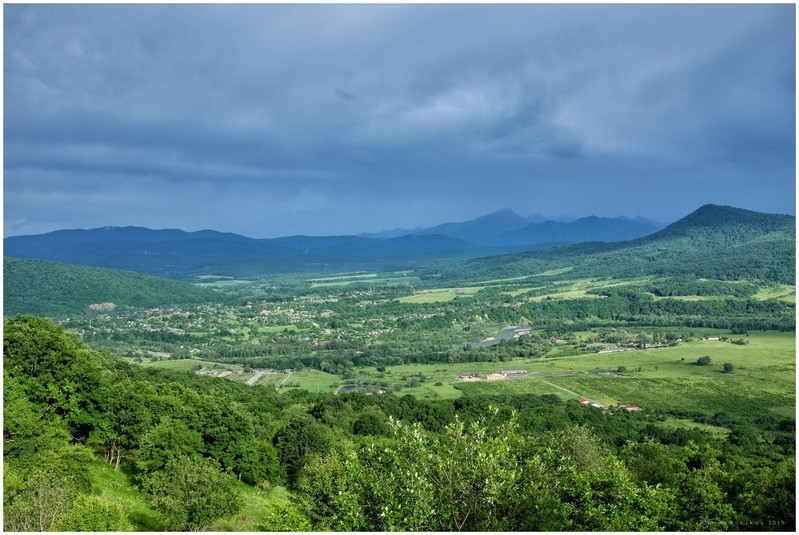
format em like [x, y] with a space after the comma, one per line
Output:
[55, 289]
[716, 242]
[197, 449]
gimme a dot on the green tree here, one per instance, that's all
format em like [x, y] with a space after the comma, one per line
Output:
[296, 441]
[94, 513]
[703, 361]
[54, 369]
[479, 476]
[598, 491]
[771, 496]
[166, 441]
[191, 492]
[285, 518]
[728, 367]
[35, 503]
[653, 462]
[701, 504]
[27, 428]
[129, 409]
[369, 423]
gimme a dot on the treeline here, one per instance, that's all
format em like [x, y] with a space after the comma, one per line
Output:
[339, 356]
[358, 462]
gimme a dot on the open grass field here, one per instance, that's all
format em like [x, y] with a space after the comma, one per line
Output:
[763, 378]
[440, 295]
[189, 365]
[664, 378]
[502, 281]
[379, 279]
[681, 423]
[343, 276]
[521, 291]
[574, 289]
[552, 272]
[272, 379]
[783, 292]
[313, 381]
[688, 297]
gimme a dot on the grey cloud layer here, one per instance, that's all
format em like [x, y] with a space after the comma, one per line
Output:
[331, 118]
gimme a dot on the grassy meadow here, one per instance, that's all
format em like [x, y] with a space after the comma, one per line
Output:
[763, 376]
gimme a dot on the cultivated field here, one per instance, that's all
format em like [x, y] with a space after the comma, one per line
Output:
[440, 295]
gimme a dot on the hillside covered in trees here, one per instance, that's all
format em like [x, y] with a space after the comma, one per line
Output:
[189, 453]
[716, 242]
[57, 290]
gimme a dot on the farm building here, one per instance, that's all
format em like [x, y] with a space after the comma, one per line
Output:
[629, 407]
[493, 377]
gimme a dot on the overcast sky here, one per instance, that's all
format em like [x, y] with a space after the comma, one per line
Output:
[271, 120]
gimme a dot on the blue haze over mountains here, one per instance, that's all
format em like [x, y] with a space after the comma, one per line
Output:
[176, 253]
[507, 228]
[713, 241]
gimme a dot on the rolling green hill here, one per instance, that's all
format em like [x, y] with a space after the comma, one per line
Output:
[53, 289]
[182, 255]
[717, 242]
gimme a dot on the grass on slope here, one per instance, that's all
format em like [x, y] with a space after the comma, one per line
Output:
[117, 487]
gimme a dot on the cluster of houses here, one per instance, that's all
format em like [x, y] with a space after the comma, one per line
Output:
[601, 347]
[496, 376]
[217, 373]
[626, 406]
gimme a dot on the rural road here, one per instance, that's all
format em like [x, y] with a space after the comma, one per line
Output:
[251, 381]
[564, 389]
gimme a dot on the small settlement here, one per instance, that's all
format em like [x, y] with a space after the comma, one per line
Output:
[626, 406]
[496, 376]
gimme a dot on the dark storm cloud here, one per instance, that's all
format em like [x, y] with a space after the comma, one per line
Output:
[281, 119]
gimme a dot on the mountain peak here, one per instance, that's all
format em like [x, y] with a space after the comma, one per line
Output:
[506, 214]
[504, 211]
[714, 216]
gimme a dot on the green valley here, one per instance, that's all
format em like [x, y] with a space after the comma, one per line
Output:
[607, 397]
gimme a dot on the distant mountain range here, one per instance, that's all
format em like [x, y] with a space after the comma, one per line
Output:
[178, 254]
[507, 228]
[717, 242]
[183, 255]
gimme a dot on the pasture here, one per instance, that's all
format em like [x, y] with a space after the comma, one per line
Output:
[784, 292]
[440, 295]
[669, 378]
[378, 279]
